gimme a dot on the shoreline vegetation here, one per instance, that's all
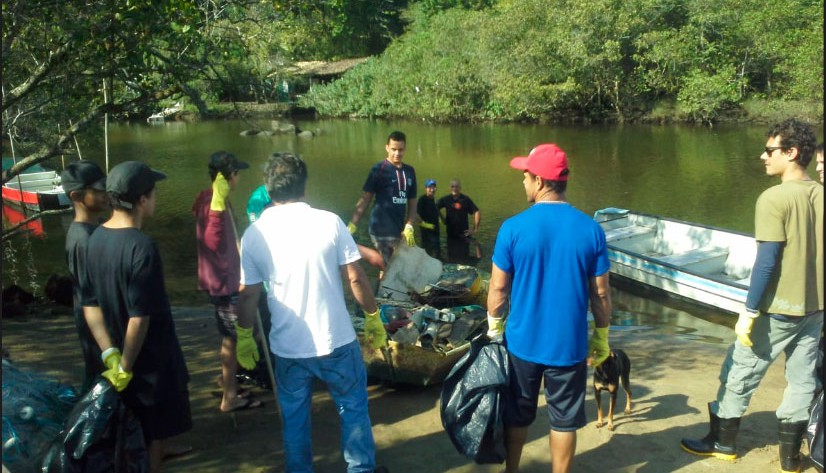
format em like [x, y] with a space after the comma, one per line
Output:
[751, 112]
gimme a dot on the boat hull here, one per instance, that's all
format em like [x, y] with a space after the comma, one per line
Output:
[699, 263]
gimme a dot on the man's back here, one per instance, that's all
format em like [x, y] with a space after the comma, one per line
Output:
[302, 266]
[551, 249]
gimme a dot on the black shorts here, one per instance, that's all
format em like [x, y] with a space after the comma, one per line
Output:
[564, 394]
[226, 314]
[171, 417]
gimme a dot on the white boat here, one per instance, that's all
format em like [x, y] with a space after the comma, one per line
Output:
[696, 262]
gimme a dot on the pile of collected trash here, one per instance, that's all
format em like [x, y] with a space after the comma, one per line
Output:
[431, 312]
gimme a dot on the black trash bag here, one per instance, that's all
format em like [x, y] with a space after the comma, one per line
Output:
[473, 401]
[101, 435]
[814, 432]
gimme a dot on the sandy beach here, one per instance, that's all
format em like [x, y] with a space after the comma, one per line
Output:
[672, 379]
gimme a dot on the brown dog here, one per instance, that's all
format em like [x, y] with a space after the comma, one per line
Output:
[607, 377]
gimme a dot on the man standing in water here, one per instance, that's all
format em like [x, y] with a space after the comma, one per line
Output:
[429, 215]
[393, 183]
[783, 312]
[549, 262]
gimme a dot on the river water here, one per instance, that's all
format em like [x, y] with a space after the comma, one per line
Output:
[707, 175]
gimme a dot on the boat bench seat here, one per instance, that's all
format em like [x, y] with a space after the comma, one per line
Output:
[692, 259]
[622, 233]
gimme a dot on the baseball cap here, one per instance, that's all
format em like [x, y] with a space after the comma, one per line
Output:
[226, 163]
[430, 182]
[131, 179]
[547, 161]
[81, 175]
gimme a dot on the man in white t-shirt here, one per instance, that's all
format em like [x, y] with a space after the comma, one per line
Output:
[304, 255]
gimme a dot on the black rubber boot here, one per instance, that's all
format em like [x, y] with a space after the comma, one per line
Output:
[720, 440]
[790, 435]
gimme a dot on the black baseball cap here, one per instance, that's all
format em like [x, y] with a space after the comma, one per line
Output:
[225, 162]
[81, 175]
[131, 179]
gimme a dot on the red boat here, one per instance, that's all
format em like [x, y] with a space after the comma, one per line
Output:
[36, 188]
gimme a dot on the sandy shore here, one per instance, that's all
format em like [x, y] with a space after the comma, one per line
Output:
[672, 380]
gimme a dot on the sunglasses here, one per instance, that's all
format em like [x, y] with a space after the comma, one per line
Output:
[771, 149]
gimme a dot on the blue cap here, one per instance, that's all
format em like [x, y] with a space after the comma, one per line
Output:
[430, 182]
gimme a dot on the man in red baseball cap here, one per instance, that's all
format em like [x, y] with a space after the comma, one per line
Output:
[549, 262]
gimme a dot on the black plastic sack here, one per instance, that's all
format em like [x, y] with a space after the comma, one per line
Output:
[814, 432]
[101, 435]
[472, 401]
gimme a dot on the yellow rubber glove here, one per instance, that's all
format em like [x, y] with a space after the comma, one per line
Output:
[351, 227]
[246, 350]
[374, 330]
[409, 237]
[118, 377]
[111, 358]
[427, 226]
[743, 326]
[496, 326]
[220, 191]
[598, 346]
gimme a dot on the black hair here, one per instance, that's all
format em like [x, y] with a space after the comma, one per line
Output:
[397, 136]
[225, 167]
[557, 186]
[127, 204]
[285, 176]
[798, 134]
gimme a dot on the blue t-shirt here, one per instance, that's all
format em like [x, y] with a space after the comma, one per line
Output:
[391, 187]
[550, 250]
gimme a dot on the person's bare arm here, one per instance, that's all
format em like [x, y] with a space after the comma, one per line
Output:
[412, 214]
[361, 206]
[498, 292]
[360, 286]
[94, 319]
[136, 330]
[600, 295]
[247, 304]
[477, 218]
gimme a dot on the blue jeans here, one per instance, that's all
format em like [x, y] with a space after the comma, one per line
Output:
[343, 371]
[744, 367]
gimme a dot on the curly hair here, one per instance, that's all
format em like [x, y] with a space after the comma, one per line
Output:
[285, 176]
[798, 134]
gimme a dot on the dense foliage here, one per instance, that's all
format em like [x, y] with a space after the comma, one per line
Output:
[602, 59]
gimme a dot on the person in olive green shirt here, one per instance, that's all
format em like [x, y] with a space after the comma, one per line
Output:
[783, 312]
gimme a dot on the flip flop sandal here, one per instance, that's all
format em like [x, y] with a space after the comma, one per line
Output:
[250, 404]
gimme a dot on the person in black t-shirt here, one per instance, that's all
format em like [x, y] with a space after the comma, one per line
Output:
[457, 208]
[429, 215]
[127, 309]
[85, 184]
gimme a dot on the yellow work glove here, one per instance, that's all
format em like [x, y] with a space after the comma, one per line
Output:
[374, 330]
[110, 358]
[118, 377]
[220, 191]
[351, 227]
[743, 326]
[246, 350]
[427, 226]
[598, 346]
[496, 326]
[409, 237]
